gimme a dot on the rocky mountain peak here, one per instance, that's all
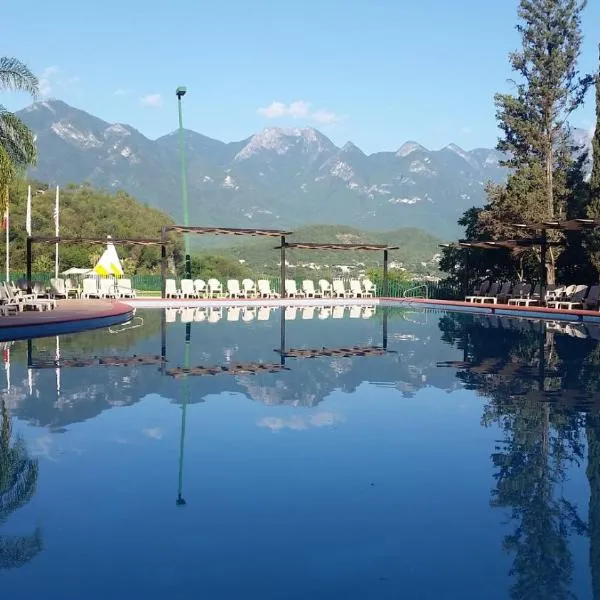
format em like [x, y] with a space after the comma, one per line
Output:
[408, 148]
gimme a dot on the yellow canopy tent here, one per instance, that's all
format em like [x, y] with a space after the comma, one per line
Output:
[109, 263]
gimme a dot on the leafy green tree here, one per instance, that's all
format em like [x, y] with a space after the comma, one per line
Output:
[206, 266]
[17, 142]
[18, 481]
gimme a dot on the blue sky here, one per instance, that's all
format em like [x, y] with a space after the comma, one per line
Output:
[377, 73]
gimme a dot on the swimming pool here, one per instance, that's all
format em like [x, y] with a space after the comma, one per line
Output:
[359, 453]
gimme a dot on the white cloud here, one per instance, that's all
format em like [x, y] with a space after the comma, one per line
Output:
[154, 433]
[298, 109]
[121, 92]
[53, 80]
[47, 80]
[152, 101]
[297, 423]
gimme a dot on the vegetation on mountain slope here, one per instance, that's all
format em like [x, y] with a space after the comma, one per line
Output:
[86, 212]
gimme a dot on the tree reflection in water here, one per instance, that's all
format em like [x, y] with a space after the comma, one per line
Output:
[539, 385]
[18, 481]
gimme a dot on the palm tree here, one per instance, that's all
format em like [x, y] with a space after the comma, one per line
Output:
[17, 142]
[18, 480]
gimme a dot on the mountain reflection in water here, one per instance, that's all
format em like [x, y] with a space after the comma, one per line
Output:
[538, 385]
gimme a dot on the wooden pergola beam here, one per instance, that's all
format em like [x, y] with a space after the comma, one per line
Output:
[227, 231]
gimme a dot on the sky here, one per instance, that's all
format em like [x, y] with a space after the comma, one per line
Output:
[377, 73]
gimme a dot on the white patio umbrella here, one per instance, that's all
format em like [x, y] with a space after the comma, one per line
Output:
[109, 263]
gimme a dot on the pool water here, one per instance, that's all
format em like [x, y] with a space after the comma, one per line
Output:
[383, 453]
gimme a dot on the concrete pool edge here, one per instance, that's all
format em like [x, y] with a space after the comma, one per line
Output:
[533, 312]
[70, 316]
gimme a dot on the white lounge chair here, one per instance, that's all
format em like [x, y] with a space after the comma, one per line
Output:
[325, 312]
[339, 291]
[71, 288]
[124, 289]
[356, 290]
[291, 291]
[355, 311]
[370, 289]
[170, 315]
[171, 290]
[200, 288]
[264, 289]
[90, 288]
[308, 312]
[57, 288]
[233, 288]
[338, 312]
[187, 289]
[8, 305]
[264, 313]
[248, 313]
[17, 296]
[325, 288]
[107, 288]
[233, 313]
[215, 315]
[249, 288]
[215, 288]
[187, 314]
[308, 287]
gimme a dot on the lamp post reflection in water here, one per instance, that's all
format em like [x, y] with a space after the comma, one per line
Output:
[185, 397]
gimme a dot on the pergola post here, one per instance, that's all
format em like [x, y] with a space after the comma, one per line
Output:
[385, 274]
[543, 272]
[282, 337]
[385, 328]
[163, 261]
[28, 251]
[282, 268]
[163, 341]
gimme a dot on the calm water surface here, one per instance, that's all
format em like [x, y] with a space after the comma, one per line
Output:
[452, 457]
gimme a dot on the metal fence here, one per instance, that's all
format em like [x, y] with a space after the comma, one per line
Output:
[151, 284]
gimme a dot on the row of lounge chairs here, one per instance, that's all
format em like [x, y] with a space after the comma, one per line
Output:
[91, 287]
[560, 297]
[213, 288]
[14, 300]
[263, 313]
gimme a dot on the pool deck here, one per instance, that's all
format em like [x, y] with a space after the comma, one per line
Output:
[68, 317]
[532, 312]
[72, 316]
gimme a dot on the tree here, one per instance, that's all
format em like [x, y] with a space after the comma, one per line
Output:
[593, 208]
[18, 481]
[17, 142]
[534, 124]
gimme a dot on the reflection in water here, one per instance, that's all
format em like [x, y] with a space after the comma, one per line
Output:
[18, 480]
[535, 388]
[538, 384]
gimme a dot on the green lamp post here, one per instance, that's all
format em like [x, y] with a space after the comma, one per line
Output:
[180, 93]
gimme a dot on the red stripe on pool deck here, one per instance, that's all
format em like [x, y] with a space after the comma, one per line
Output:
[66, 311]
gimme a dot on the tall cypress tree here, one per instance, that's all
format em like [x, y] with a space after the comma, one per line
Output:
[595, 177]
[534, 119]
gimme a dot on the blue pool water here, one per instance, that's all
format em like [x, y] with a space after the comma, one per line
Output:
[386, 454]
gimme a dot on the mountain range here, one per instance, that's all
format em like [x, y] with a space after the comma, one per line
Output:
[279, 178]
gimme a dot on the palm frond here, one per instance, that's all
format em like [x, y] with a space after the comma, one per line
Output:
[14, 75]
[17, 140]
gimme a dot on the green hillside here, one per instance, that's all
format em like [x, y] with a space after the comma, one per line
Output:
[86, 212]
[416, 246]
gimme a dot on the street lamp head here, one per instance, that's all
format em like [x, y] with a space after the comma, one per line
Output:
[180, 91]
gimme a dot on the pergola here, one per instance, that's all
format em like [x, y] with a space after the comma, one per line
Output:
[539, 238]
[236, 231]
[321, 246]
[81, 240]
